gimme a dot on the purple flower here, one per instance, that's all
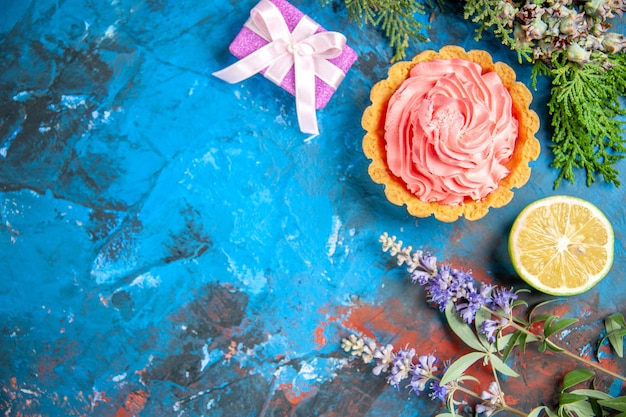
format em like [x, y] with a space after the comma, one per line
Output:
[423, 268]
[489, 328]
[469, 300]
[439, 288]
[492, 400]
[422, 372]
[429, 263]
[501, 298]
[383, 357]
[453, 285]
[462, 284]
[401, 367]
[485, 290]
[439, 391]
[468, 307]
[486, 409]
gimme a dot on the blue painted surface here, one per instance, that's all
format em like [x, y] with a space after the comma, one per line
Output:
[170, 245]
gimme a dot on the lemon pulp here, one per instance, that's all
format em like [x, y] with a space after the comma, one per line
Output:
[561, 245]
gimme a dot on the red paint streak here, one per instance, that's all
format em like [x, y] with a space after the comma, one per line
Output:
[537, 327]
[319, 336]
[293, 397]
[511, 400]
[560, 309]
[103, 300]
[122, 412]
[135, 402]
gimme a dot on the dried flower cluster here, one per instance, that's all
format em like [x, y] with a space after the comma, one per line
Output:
[580, 29]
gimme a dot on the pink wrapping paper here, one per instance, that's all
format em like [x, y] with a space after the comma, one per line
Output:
[247, 42]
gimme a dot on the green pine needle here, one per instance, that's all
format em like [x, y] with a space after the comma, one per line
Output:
[361, 11]
[487, 14]
[587, 120]
[396, 19]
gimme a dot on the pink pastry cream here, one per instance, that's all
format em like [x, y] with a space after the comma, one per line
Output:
[449, 131]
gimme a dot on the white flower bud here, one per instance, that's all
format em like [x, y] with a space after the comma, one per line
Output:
[613, 42]
[577, 53]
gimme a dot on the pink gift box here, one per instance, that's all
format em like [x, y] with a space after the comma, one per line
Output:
[248, 41]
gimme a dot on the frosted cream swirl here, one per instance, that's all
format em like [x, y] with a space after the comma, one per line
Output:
[449, 131]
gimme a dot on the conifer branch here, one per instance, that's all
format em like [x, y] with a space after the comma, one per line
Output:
[496, 16]
[395, 18]
[585, 114]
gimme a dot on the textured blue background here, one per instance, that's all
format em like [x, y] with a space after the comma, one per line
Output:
[170, 244]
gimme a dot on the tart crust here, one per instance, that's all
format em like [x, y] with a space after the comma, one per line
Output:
[526, 149]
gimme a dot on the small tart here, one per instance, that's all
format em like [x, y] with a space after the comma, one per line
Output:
[526, 146]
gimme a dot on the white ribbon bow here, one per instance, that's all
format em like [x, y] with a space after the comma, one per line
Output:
[308, 52]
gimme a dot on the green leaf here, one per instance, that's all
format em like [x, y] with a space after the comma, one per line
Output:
[569, 398]
[618, 337]
[502, 342]
[553, 347]
[550, 413]
[479, 319]
[513, 341]
[468, 378]
[456, 369]
[575, 377]
[542, 347]
[463, 330]
[592, 393]
[523, 339]
[536, 411]
[450, 404]
[558, 325]
[543, 303]
[618, 319]
[613, 323]
[502, 367]
[618, 403]
[580, 408]
[597, 409]
[445, 415]
[541, 317]
[548, 322]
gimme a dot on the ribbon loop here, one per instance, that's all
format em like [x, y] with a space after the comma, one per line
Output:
[304, 49]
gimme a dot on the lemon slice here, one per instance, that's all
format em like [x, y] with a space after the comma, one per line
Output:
[561, 245]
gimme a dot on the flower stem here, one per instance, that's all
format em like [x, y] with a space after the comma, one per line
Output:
[474, 394]
[591, 364]
[497, 381]
[541, 338]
